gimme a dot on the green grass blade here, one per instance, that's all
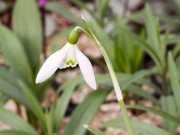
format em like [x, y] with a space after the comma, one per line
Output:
[33, 102]
[163, 114]
[10, 87]
[59, 9]
[16, 122]
[62, 103]
[151, 28]
[168, 105]
[105, 39]
[14, 132]
[141, 42]
[85, 112]
[95, 131]
[138, 75]
[3, 99]
[14, 54]
[174, 80]
[27, 25]
[139, 127]
[141, 93]
[82, 5]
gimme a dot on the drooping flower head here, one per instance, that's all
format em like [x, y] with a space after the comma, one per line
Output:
[68, 56]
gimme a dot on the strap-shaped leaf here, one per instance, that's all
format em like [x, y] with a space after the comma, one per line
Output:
[175, 85]
[156, 111]
[14, 132]
[151, 27]
[3, 99]
[14, 53]
[168, 105]
[54, 7]
[34, 104]
[10, 87]
[27, 25]
[95, 131]
[85, 112]
[140, 92]
[62, 103]
[16, 122]
[139, 127]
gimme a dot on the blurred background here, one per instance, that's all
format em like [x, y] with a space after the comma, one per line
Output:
[141, 38]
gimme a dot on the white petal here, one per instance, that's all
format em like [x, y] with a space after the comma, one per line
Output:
[51, 64]
[70, 56]
[86, 68]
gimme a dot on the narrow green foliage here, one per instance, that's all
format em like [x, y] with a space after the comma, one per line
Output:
[85, 112]
[14, 132]
[54, 7]
[151, 28]
[35, 106]
[168, 105]
[139, 127]
[174, 81]
[128, 54]
[102, 7]
[14, 54]
[165, 115]
[16, 122]
[62, 103]
[95, 131]
[27, 25]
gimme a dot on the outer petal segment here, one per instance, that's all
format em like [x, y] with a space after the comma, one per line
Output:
[51, 64]
[86, 68]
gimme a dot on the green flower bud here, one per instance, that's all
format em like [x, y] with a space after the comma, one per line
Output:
[73, 36]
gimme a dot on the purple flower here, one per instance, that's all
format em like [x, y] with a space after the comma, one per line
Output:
[42, 3]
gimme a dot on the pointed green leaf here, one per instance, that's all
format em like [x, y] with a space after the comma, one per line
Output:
[168, 105]
[57, 8]
[3, 99]
[139, 127]
[163, 114]
[10, 87]
[140, 92]
[95, 131]
[14, 132]
[174, 80]
[85, 112]
[151, 27]
[27, 25]
[14, 53]
[16, 122]
[34, 104]
[62, 103]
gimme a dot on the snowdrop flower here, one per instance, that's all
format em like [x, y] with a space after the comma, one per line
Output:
[68, 56]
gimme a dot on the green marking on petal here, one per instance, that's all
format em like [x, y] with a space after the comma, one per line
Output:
[70, 62]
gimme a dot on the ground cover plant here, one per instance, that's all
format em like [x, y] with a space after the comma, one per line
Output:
[140, 49]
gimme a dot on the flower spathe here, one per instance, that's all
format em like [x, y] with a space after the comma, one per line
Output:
[68, 56]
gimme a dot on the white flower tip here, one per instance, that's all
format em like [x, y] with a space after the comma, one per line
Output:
[94, 86]
[85, 126]
[37, 80]
[82, 16]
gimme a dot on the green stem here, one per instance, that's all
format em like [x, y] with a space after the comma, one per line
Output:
[112, 74]
[125, 117]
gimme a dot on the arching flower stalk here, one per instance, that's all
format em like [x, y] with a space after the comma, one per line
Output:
[117, 88]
